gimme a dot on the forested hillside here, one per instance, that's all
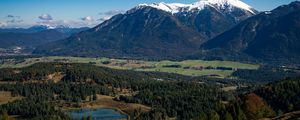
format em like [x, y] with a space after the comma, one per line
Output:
[168, 95]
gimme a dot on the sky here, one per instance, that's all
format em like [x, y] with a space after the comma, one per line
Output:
[79, 13]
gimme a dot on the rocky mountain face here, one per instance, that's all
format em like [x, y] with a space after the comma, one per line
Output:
[154, 31]
[209, 17]
[268, 35]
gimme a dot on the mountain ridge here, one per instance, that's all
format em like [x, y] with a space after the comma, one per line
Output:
[28, 38]
[200, 5]
[268, 35]
[39, 28]
[147, 32]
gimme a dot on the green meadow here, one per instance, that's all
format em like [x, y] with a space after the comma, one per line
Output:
[219, 69]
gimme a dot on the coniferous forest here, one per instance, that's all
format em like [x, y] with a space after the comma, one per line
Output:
[137, 60]
[168, 95]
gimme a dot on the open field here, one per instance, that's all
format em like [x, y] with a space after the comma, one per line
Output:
[188, 67]
[229, 88]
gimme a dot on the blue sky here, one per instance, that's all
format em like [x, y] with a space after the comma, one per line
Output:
[24, 13]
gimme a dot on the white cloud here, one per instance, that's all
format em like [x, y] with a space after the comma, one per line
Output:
[87, 19]
[69, 23]
[108, 14]
[3, 24]
[104, 18]
[112, 12]
[12, 21]
[13, 16]
[45, 17]
[47, 20]
[10, 16]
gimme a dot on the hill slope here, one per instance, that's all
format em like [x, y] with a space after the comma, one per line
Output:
[10, 39]
[153, 31]
[269, 35]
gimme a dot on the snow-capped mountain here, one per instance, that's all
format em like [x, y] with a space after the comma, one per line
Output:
[200, 5]
[32, 29]
[155, 31]
[272, 35]
[42, 27]
[209, 17]
[48, 27]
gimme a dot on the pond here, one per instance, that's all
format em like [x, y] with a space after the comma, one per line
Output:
[96, 114]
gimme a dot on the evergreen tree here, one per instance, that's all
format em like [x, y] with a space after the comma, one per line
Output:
[214, 116]
[4, 115]
[228, 116]
[240, 114]
[94, 96]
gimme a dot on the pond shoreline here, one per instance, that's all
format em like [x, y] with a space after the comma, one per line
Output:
[100, 108]
[104, 102]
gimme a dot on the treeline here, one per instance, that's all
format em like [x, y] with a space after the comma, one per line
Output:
[84, 72]
[266, 74]
[55, 91]
[283, 96]
[80, 72]
[170, 95]
[192, 101]
[37, 110]
[269, 101]
[38, 97]
[183, 100]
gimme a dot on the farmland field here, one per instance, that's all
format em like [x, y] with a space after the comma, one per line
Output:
[219, 69]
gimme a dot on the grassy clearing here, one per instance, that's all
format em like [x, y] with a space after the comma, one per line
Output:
[6, 97]
[187, 67]
[229, 88]
[189, 72]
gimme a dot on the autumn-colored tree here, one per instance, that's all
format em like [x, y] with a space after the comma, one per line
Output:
[256, 107]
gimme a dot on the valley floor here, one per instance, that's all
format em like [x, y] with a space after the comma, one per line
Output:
[220, 69]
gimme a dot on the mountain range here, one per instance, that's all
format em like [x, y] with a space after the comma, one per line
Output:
[39, 28]
[268, 35]
[209, 29]
[154, 31]
[34, 36]
[13, 39]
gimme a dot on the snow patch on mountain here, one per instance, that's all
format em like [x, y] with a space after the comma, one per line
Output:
[219, 4]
